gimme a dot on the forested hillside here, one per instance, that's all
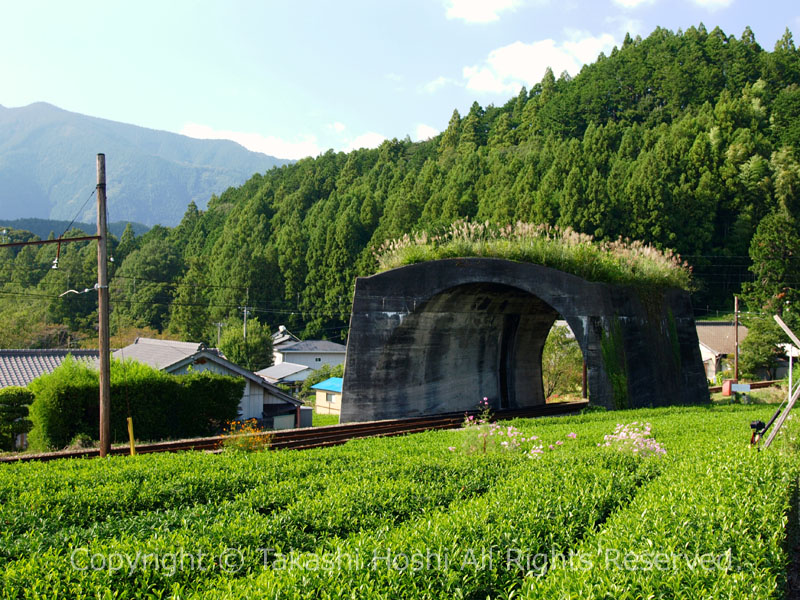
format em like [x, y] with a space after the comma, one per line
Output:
[682, 140]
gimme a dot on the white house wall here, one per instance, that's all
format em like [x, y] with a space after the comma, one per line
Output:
[252, 404]
[313, 360]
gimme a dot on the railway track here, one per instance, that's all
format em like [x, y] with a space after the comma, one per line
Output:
[312, 437]
[753, 386]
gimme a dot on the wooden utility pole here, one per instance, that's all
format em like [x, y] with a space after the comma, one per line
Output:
[102, 306]
[246, 311]
[736, 338]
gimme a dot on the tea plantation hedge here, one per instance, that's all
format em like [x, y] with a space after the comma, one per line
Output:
[425, 516]
[162, 406]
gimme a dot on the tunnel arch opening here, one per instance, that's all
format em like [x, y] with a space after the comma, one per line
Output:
[490, 334]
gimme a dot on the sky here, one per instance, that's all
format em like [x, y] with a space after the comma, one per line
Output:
[296, 78]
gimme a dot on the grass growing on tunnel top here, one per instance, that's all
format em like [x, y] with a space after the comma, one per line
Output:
[621, 262]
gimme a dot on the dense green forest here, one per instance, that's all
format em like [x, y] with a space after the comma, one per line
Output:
[685, 141]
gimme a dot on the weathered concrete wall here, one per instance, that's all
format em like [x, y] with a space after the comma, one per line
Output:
[439, 336]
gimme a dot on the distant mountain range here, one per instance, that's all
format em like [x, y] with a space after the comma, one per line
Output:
[44, 227]
[48, 167]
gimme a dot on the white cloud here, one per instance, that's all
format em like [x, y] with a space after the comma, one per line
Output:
[274, 146]
[366, 140]
[337, 127]
[507, 69]
[438, 83]
[586, 48]
[625, 25]
[713, 4]
[425, 132]
[479, 11]
[632, 3]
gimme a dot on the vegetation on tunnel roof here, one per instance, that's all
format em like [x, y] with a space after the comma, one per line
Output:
[622, 262]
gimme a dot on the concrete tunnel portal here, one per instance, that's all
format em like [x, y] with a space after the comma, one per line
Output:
[437, 337]
[491, 335]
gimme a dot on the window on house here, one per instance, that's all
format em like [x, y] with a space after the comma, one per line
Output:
[329, 397]
[317, 359]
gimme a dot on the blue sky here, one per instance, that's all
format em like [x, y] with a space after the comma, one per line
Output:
[293, 79]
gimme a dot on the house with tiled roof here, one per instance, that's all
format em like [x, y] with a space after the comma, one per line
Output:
[718, 345]
[311, 353]
[159, 354]
[20, 367]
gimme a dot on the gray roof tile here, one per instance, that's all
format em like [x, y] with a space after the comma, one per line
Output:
[20, 367]
[284, 369]
[719, 335]
[158, 353]
[313, 346]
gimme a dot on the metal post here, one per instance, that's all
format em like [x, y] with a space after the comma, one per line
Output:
[102, 305]
[736, 337]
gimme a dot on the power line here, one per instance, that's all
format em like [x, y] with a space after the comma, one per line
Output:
[91, 195]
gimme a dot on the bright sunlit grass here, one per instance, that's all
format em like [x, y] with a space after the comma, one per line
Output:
[622, 261]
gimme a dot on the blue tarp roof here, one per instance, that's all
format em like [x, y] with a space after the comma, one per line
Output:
[334, 384]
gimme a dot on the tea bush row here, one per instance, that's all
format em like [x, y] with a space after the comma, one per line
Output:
[266, 523]
[712, 525]
[283, 500]
[478, 548]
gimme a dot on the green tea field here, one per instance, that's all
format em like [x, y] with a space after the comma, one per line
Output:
[657, 503]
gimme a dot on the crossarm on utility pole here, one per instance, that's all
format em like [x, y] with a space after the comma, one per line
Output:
[83, 238]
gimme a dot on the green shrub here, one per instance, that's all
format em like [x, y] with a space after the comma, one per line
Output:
[161, 405]
[149, 396]
[207, 402]
[506, 526]
[14, 402]
[81, 441]
[61, 408]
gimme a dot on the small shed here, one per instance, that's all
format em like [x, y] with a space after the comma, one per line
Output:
[329, 396]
